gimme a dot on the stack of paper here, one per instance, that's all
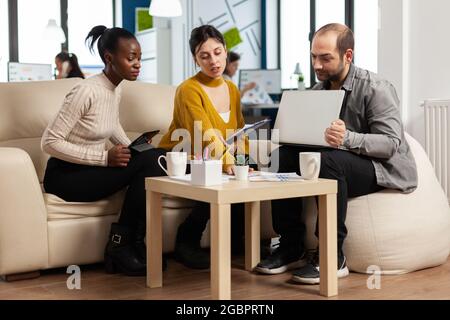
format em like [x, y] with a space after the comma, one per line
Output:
[274, 177]
[187, 178]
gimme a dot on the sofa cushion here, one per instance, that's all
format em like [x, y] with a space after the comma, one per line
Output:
[145, 106]
[27, 107]
[58, 209]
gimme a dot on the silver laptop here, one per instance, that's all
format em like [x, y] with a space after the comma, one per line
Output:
[303, 116]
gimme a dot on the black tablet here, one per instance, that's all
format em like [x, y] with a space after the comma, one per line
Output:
[142, 142]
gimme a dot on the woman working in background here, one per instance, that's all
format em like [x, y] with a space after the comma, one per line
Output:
[67, 66]
[231, 69]
[214, 103]
[81, 170]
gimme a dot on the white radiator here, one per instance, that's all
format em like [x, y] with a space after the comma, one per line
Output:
[437, 139]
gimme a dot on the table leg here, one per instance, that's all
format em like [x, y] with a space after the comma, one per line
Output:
[154, 240]
[328, 245]
[252, 235]
[220, 252]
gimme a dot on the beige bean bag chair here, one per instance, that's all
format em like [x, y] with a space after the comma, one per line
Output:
[396, 232]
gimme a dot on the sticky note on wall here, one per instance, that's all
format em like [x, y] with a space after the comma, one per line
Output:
[144, 21]
[232, 38]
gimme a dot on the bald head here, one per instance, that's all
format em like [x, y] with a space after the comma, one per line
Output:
[344, 36]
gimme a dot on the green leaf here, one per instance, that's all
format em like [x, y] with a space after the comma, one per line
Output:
[240, 160]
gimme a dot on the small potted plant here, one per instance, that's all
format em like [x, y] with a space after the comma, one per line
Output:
[300, 77]
[241, 167]
[301, 82]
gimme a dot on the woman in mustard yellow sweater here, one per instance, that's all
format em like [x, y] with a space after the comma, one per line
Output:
[206, 104]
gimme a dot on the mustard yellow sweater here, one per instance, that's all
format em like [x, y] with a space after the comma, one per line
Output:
[192, 105]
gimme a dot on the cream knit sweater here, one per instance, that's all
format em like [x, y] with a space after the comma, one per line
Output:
[88, 118]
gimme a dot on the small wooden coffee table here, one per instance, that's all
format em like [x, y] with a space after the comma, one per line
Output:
[221, 197]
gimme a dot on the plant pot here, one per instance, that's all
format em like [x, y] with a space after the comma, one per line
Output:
[241, 173]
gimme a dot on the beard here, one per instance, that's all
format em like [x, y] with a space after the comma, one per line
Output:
[333, 76]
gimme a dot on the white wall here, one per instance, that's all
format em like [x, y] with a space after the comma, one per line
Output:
[429, 57]
[392, 54]
[272, 34]
[413, 53]
[119, 22]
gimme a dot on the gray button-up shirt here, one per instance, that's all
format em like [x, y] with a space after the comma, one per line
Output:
[374, 128]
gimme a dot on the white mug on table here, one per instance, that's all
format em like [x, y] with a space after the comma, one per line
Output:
[309, 165]
[176, 163]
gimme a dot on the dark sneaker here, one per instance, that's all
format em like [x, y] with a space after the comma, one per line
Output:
[280, 261]
[192, 256]
[309, 274]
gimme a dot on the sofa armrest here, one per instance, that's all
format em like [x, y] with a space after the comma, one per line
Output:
[23, 215]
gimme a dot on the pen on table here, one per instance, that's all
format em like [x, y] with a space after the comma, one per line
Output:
[206, 154]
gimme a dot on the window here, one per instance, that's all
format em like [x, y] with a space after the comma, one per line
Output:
[33, 18]
[366, 34]
[295, 31]
[4, 41]
[83, 16]
[294, 41]
[329, 11]
[298, 20]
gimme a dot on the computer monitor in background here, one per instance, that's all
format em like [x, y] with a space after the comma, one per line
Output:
[29, 72]
[269, 79]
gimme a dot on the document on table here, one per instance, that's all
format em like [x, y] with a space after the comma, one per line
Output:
[258, 176]
[274, 177]
[187, 178]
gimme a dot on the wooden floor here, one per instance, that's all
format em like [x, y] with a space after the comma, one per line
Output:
[186, 284]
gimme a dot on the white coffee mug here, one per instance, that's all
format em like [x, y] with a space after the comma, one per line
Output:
[309, 165]
[176, 163]
[241, 173]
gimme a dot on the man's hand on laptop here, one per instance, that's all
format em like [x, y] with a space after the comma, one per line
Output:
[334, 135]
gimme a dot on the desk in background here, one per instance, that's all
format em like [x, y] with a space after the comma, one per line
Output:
[256, 110]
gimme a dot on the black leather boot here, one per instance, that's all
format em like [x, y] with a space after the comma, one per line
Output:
[120, 253]
[188, 250]
[139, 244]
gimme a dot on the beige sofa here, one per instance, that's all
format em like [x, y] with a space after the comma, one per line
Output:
[398, 233]
[40, 231]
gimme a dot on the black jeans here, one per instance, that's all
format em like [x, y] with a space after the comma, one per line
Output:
[83, 183]
[191, 230]
[355, 176]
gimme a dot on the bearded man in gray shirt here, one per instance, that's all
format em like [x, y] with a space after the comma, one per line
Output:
[377, 155]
